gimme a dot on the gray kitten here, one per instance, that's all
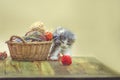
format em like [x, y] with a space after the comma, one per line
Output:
[62, 43]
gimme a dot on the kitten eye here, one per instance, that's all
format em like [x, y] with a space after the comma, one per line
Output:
[61, 37]
[68, 41]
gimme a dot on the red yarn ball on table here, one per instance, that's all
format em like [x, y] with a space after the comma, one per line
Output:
[66, 60]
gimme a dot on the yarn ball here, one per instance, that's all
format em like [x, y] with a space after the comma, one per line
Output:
[38, 26]
[49, 36]
[3, 55]
[66, 60]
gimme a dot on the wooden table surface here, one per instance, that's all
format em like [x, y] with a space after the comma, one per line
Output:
[81, 67]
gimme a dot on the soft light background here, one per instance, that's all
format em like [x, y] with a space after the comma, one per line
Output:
[96, 24]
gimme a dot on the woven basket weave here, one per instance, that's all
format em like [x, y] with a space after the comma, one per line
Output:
[28, 51]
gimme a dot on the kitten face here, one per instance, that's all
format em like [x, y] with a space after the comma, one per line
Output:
[65, 37]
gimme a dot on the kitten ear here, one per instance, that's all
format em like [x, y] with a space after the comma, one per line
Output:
[60, 30]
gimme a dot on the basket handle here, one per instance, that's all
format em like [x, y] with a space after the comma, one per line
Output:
[18, 38]
[28, 33]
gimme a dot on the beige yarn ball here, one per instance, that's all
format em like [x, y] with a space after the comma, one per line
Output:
[38, 26]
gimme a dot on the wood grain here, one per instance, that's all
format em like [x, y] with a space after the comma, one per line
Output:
[2, 68]
[81, 66]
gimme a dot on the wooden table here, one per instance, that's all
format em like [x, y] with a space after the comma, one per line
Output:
[81, 67]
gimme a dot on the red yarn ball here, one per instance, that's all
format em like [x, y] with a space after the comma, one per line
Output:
[49, 36]
[66, 60]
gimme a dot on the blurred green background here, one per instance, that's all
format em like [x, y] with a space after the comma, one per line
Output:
[96, 24]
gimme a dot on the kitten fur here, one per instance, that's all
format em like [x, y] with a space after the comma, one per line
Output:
[63, 40]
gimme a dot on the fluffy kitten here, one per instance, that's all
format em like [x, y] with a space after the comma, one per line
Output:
[62, 42]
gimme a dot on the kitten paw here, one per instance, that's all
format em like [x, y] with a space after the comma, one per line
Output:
[54, 58]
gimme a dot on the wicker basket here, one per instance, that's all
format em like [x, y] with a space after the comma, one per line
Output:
[28, 51]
